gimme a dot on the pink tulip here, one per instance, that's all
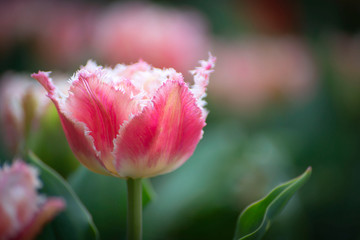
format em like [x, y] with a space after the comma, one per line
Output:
[131, 121]
[23, 212]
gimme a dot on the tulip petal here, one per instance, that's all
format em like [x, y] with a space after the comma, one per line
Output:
[76, 132]
[163, 136]
[201, 80]
[46, 213]
[102, 108]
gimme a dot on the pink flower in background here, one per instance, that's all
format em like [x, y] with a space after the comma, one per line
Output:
[7, 25]
[163, 36]
[253, 73]
[19, 20]
[63, 37]
[22, 103]
[54, 32]
[23, 212]
[131, 121]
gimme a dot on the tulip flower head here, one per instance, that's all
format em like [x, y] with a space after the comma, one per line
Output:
[23, 212]
[131, 121]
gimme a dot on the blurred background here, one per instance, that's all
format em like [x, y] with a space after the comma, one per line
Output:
[285, 95]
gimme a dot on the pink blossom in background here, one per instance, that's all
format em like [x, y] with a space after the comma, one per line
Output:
[23, 212]
[56, 33]
[253, 73]
[22, 20]
[163, 36]
[18, 22]
[63, 37]
[7, 20]
[22, 103]
[131, 121]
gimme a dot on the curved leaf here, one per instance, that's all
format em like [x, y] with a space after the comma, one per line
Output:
[255, 220]
[73, 223]
[148, 192]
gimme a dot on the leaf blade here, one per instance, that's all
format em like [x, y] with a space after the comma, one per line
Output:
[255, 220]
[148, 192]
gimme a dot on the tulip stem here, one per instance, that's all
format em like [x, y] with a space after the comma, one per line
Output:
[134, 209]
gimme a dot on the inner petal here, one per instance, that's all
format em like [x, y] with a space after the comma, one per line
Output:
[145, 78]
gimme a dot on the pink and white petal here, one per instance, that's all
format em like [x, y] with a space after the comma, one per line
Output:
[102, 108]
[163, 136]
[79, 140]
[128, 71]
[46, 213]
[125, 85]
[201, 78]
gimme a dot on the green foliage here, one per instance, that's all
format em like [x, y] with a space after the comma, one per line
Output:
[73, 223]
[256, 219]
[148, 192]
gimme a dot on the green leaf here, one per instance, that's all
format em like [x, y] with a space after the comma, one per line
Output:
[73, 223]
[255, 220]
[148, 192]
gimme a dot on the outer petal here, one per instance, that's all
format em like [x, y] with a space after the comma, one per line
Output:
[102, 108]
[201, 80]
[80, 142]
[163, 136]
[46, 213]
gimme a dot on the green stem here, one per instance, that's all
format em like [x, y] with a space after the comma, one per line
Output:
[134, 209]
